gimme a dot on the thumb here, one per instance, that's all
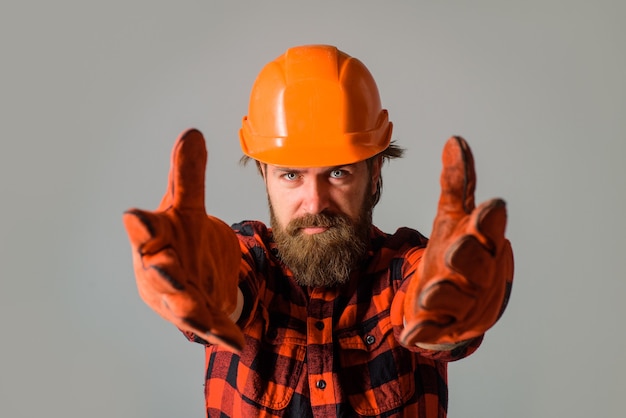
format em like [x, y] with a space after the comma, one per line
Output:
[187, 171]
[458, 178]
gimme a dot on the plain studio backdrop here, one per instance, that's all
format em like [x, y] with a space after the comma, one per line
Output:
[93, 95]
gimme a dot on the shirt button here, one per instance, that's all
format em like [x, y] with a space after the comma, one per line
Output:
[319, 325]
[370, 339]
[321, 384]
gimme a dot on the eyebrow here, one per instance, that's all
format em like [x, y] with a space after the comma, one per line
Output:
[301, 169]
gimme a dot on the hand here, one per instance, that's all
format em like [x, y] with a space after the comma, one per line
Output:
[187, 263]
[462, 285]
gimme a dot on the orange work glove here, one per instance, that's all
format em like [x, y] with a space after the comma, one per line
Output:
[187, 263]
[463, 282]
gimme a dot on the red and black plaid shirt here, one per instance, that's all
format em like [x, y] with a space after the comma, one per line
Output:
[327, 352]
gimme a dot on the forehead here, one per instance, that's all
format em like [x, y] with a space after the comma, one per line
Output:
[317, 170]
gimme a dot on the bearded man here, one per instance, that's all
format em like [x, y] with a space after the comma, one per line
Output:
[322, 314]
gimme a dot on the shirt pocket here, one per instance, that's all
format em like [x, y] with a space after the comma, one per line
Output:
[376, 373]
[269, 375]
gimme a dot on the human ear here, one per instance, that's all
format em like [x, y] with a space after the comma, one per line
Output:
[375, 170]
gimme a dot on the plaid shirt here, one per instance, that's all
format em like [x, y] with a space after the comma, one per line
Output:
[327, 352]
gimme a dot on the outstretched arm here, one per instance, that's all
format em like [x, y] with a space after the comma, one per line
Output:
[186, 262]
[463, 282]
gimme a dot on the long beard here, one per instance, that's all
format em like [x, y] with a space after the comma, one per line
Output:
[325, 259]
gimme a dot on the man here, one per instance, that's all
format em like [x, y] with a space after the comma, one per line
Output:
[322, 314]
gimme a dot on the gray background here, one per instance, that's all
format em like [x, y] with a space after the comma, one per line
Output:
[93, 95]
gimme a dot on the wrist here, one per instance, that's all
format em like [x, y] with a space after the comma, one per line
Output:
[442, 346]
[234, 315]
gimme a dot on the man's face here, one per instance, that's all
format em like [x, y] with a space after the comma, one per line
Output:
[321, 218]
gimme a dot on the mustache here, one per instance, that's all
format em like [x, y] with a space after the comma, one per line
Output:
[318, 220]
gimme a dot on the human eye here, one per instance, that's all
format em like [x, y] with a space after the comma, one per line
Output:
[338, 173]
[290, 176]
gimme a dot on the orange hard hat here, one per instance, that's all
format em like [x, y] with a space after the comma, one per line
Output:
[314, 106]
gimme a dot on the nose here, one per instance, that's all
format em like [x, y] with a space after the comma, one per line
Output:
[317, 196]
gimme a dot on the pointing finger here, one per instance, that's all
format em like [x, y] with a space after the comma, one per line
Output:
[488, 223]
[147, 231]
